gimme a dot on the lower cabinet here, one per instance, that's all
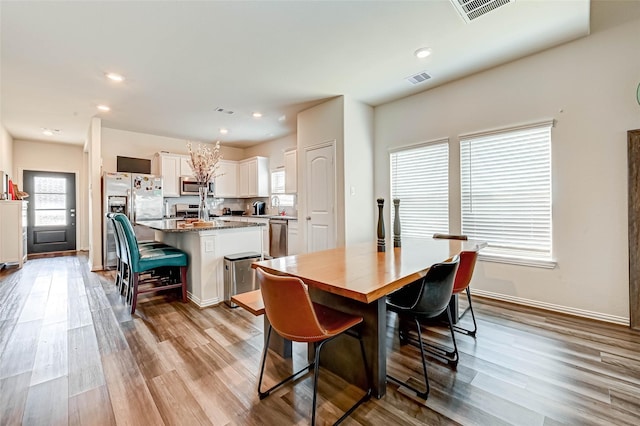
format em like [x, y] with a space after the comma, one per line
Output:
[292, 238]
[13, 232]
[265, 228]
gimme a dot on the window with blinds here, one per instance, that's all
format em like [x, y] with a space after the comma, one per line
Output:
[420, 179]
[277, 188]
[506, 191]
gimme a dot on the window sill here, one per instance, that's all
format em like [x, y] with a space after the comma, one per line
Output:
[521, 261]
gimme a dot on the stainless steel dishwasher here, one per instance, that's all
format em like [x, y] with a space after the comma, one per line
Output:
[278, 237]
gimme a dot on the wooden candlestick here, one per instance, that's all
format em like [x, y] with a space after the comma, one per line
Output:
[381, 244]
[396, 223]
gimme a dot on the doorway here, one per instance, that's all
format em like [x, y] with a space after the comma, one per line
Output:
[321, 197]
[51, 212]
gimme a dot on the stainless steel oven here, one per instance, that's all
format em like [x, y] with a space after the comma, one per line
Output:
[189, 186]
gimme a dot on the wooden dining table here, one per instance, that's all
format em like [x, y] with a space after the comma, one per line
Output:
[356, 279]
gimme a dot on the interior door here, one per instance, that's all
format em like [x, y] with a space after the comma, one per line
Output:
[52, 211]
[321, 182]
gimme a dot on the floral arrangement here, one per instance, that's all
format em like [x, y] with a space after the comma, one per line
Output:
[204, 162]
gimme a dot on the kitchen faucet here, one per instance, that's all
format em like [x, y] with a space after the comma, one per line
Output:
[275, 202]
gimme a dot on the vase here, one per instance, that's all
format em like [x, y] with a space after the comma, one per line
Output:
[381, 246]
[203, 211]
[396, 223]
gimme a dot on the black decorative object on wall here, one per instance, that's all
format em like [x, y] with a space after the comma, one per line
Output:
[396, 223]
[381, 246]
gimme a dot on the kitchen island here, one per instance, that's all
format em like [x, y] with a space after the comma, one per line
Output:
[207, 246]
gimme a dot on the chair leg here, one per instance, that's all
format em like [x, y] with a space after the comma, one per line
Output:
[459, 329]
[118, 268]
[183, 280]
[316, 370]
[366, 396]
[266, 393]
[425, 394]
[447, 355]
[133, 290]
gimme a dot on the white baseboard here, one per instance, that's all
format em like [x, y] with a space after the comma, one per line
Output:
[552, 307]
[203, 303]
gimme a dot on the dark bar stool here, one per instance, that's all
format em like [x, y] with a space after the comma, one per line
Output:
[160, 263]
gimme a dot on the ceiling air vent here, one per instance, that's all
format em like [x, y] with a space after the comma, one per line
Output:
[418, 78]
[472, 9]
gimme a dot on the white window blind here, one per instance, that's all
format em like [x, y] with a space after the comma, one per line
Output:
[277, 182]
[277, 188]
[506, 191]
[420, 179]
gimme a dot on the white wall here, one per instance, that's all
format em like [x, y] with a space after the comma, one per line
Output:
[56, 157]
[93, 150]
[359, 199]
[273, 150]
[320, 124]
[6, 151]
[141, 145]
[588, 86]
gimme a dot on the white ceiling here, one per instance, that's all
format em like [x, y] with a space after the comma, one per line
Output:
[183, 59]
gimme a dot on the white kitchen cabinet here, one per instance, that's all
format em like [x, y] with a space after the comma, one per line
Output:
[185, 168]
[290, 172]
[243, 179]
[292, 238]
[253, 177]
[265, 232]
[226, 185]
[13, 232]
[168, 166]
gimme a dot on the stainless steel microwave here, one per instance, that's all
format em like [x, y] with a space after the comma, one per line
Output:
[189, 186]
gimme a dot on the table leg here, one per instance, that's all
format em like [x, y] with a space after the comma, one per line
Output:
[342, 355]
[277, 343]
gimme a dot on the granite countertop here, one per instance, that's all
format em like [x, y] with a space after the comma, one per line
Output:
[173, 225]
[272, 216]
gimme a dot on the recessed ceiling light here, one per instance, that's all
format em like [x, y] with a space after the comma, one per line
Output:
[50, 132]
[104, 108]
[224, 131]
[115, 77]
[282, 118]
[257, 114]
[422, 53]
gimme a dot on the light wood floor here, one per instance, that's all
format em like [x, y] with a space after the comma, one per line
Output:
[71, 354]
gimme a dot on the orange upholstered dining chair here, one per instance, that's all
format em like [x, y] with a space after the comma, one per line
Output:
[463, 279]
[293, 315]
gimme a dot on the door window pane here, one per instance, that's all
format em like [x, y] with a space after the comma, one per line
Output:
[49, 201]
[51, 218]
[49, 185]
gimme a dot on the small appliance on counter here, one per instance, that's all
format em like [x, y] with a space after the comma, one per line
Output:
[226, 211]
[186, 210]
[258, 207]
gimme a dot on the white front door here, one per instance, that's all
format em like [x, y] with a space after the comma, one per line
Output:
[321, 192]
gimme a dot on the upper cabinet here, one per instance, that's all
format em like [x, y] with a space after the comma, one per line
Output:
[226, 184]
[290, 172]
[238, 179]
[168, 166]
[253, 177]
[185, 168]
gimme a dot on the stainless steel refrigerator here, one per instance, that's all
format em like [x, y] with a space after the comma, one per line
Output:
[137, 195]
